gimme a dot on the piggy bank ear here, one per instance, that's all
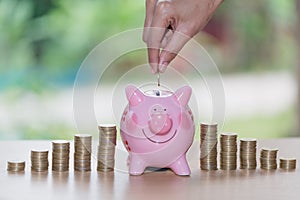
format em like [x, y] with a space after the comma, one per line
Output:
[134, 95]
[183, 95]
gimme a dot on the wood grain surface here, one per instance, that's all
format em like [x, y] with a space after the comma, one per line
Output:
[223, 185]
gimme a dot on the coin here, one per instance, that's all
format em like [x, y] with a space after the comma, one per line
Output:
[105, 166]
[15, 166]
[287, 163]
[208, 146]
[106, 147]
[61, 143]
[82, 152]
[268, 158]
[60, 155]
[39, 160]
[158, 79]
[248, 153]
[228, 153]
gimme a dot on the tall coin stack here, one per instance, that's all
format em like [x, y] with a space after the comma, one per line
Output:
[39, 160]
[106, 147]
[287, 163]
[248, 153]
[15, 166]
[228, 155]
[82, 154]
[208, 146]
[268, 158]
[60, 155]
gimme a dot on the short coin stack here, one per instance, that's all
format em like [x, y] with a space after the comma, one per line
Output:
[208, 146]
[287, 163]
[15, 166]
[82, 154]
[39, 160]
[60, 155]
[228, 155]
[268, 158]
[248, 153]
[106, 147]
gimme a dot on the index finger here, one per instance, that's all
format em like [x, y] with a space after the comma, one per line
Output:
[156, 34]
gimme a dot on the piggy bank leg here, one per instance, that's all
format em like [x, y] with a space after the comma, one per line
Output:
[136, 165]
[181, 167]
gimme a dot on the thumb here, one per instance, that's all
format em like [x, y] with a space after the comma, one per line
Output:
[176, 43]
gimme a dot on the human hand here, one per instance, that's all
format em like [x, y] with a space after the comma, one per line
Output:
[170, 24]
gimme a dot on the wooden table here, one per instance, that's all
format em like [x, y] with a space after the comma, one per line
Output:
[237, 184]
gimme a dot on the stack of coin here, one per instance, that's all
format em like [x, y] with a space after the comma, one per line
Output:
[39, 160]
[228, 155]
[268, 158]
[287, 163]
[15, 166]
[106, 147]
[82, 154]
[248, 153]
[208, 146]
[60, 155]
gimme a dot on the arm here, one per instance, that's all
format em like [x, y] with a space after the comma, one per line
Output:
[170, 24]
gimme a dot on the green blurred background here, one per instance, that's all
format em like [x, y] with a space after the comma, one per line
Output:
[43, 42]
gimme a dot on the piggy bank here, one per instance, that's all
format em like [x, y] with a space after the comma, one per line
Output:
[157, 129]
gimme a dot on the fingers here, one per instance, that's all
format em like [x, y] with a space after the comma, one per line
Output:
[153, 44]
[167, 37]
[150, 8]
[156, 34]
[175, 44]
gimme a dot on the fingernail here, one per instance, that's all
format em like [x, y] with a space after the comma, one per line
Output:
[153, 70]
[163, 67]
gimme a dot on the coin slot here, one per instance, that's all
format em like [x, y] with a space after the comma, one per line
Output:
[157, 93]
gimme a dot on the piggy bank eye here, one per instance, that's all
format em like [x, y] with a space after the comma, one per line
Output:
[155, 109]
[165, 109]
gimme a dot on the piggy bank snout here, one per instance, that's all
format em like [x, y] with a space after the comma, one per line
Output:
[160, 123]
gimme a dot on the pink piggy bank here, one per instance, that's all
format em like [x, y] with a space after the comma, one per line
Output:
[157, 129]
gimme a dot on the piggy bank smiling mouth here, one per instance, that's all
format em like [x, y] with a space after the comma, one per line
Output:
[160, 139]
